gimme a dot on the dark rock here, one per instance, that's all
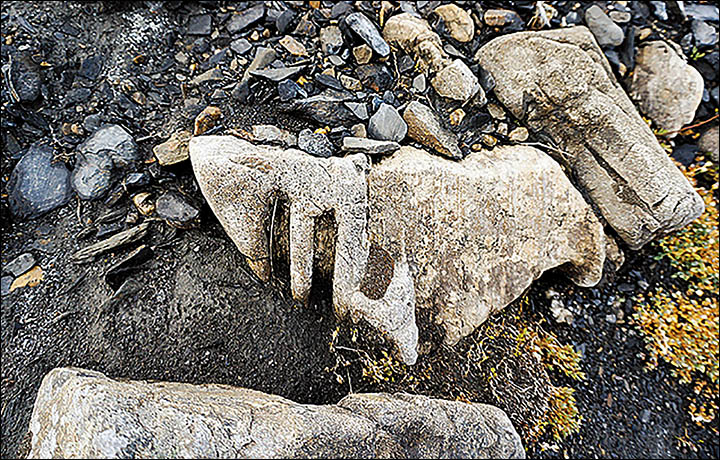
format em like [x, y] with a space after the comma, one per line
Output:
[685, 154]
[705, 34]
[405, 64]
[606, 32]
[200, 45]
[375, 76]
[305, 26]
[91, 67]
[365, 29]
[242, 20]
[326, 108]
[241, 92]
[289, 90]
[283, 21]
[92, 176]
[109, 229]
[329, 81]
[116, 141]
[92, 122]
[240, 46]
[277, 74]
[486, 80]
[130, 264]
[37, 185]
[136, 180]
[316, 144]
[387, 124]
[175, 210]
[6, 283]
[20, 264]
[199, 25]
[77, 96]
[340, 9]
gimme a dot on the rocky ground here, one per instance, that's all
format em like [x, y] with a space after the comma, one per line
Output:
[164, 306]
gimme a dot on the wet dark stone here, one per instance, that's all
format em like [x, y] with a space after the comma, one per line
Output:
[246, 18]
[405, 63]
[365, 29]
[199, 25]
[20, 264]
[91, 67]
[329, 81]
[705, 34]
[284, 21]
[340, 9]
[26, 81]
[176, 210]
[118, 143]
[77, 96]
[136, 180]
[325, 108]
[37, 185]
[109, 229]
[92, 176]
[685, 153]
[200, 45]
[130, 264]
[289, 90]
[375, 76]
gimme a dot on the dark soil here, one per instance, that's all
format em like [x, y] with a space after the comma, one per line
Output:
[194, 313]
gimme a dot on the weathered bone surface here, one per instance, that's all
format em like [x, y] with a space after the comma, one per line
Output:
[476, 233]
[241, 180]
[611, 151]
[465, 238]
[83, 414]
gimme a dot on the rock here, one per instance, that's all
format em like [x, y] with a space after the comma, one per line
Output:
[368, 146]
[502, 18]
[359, 109]
[273, 134]
[242, 20]
[660, 10]
[293, 46]
[331, 40]
[131, 235]
[289, 90]
[606, 32]
[664, 87]
[206, 120]
[214, 74]
[365, 29]
[329, 82]
[560, 313]
[316, 144]
[91, 67]
[199, 25]
[144, 203]
[6, 283]
[519, 134]
[709, 143]
[240, 46]
[575, 99]
[457, 22]
[705, 34]
[457, 116]
[176, 210]
[116, 142]
[363, 54]
[117, 417]
[263, 57]
[620, 17]
[425, 127]
[387, 125]
[358, 130]
[26, 81]
[420, 83]
[704, 12]
[306, 26]
[37, 184]
[117, 274]
[477, 232]
[173, 150]
[326, 108]
[93, 174]
[313, 186]
[279, 74]
[284, 20]
[19, 264]
[350, 83]
[30, 278]
[377, 77]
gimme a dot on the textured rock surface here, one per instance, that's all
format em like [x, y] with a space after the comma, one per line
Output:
[560, 83]
[453, 79]
[81, 414]
[174, 150]
[464, 237]
[477, 232]
[709, 143]
[118, 143]
[38, 185]
[457, 21]
[665, 87]
[606, 32]
[241, 181]
[424, 127]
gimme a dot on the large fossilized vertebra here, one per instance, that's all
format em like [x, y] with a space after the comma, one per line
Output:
[465, 238]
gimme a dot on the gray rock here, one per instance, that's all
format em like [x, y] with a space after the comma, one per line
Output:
[456, 81]
[93, 174]
[359, 109]
[214, 74]
[705, 12]
[665, 87]
[125, 418]
[366, 30]
[277, 74]
[37, 184]
[289, 90]
[117, 142]
[575, 99]
[316, 144]
[368, 146]
[5, 283]
[327, 108]
[26, 81]
[240, 21]
[606, 32]
[331, 40]
[425, 127]
[660, 10]
[705, 34]
[620, 17]
[420, 83]
[273, 134]
[709, 143]
[176, 210]
[240, 46]
[263, 57]
[199, 25]
[387, 125]
[20, 264]
[477, 231]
